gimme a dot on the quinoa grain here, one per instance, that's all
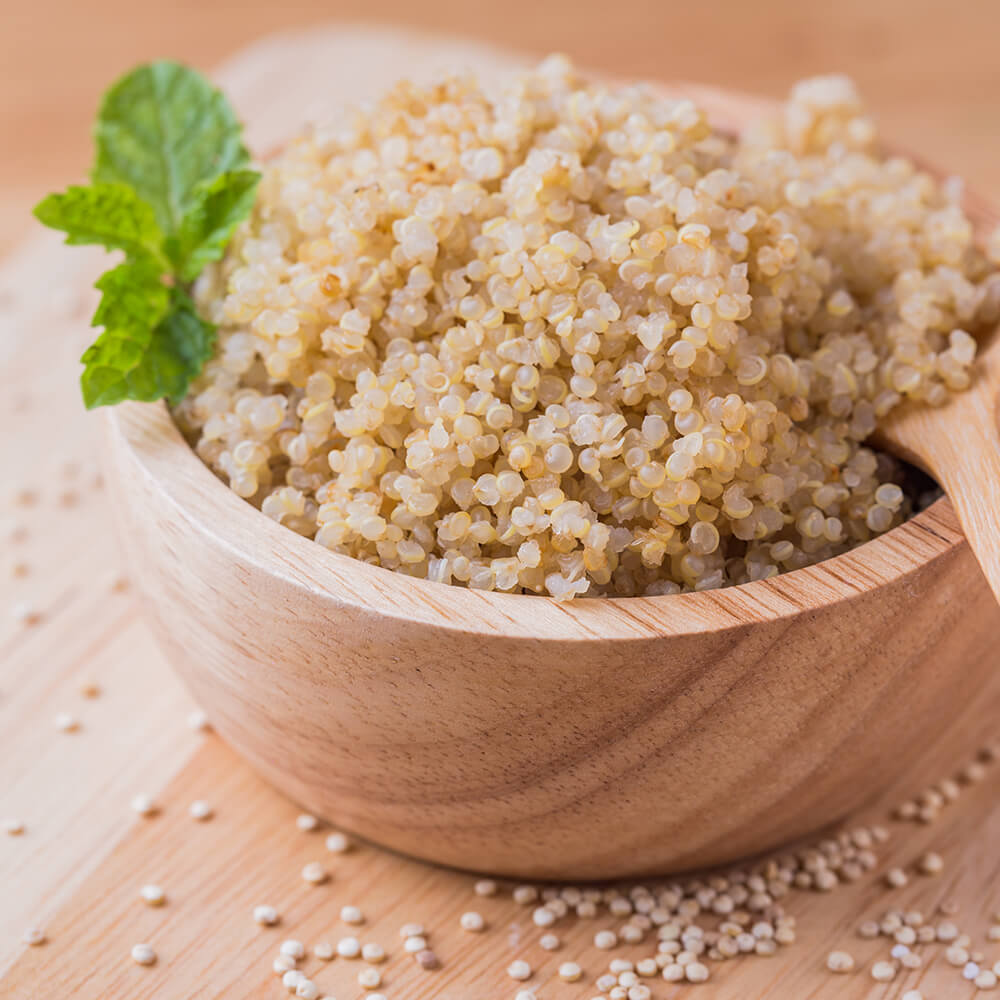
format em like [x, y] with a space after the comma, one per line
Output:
[143, 954]
[639, 360]
[840, 961]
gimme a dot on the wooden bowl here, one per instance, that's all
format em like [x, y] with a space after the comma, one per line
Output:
[517, 735]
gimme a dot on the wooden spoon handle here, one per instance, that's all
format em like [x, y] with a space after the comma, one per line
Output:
[960, 445]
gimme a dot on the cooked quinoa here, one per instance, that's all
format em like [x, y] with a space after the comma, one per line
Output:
[566, 338]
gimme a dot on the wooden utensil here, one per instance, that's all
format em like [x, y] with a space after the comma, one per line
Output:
[959, 444]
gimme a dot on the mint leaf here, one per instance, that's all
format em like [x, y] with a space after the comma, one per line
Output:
[133, 299]
[108, 215]
[170, 185]
[163, 129]
[182, 343]
[220, 205]
[148, 363]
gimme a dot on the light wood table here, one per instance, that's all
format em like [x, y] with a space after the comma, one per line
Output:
[78, 868]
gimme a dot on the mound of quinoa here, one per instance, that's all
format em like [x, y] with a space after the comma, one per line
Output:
[567, 339]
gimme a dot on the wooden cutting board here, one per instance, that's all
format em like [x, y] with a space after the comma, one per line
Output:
[78, 868]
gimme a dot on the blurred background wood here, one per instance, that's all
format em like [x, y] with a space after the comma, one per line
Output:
[929, 67]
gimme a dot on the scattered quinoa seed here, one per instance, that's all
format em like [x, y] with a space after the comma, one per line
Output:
[34, 937]
[373, 952]
[696, 972]
[369, 978]
[426, 959]
[549, 942]
[883, 972]
[266, 916]
[896, 878]
[293, 949]
[307, 823]
[570, 972]
[25, 614]
[153, 895]
[198, 721]
[143, 954]
[13, 827]
[472, 921]
[66, 723]
[325, 951]
[931, 864]
[840, 961]
[351, 915]
[956, 955]
[314, 873]
[200, 810]
[947, 932]
[338, 842]
[348, 947]
[144, 805]
[519, 969]
[486, 887]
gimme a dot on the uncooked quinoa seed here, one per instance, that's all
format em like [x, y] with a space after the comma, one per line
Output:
[840, 961]
[266, 916]
[519, 969]
[153, 895]
[338, 843]
[143, 954]
[200, 810]
[566, 339]
[314, 873]
[144, 805]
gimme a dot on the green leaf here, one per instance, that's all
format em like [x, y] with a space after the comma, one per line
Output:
[133, 298]
[108, 215]
[220, 206]
[120, 366]
[163, 129]
[170, 185]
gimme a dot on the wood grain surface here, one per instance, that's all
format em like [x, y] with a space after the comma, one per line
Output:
[77, 869]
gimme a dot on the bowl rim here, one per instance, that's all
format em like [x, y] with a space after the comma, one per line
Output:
[148, 449]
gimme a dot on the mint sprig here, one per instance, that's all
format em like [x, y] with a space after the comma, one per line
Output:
[170, 184]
